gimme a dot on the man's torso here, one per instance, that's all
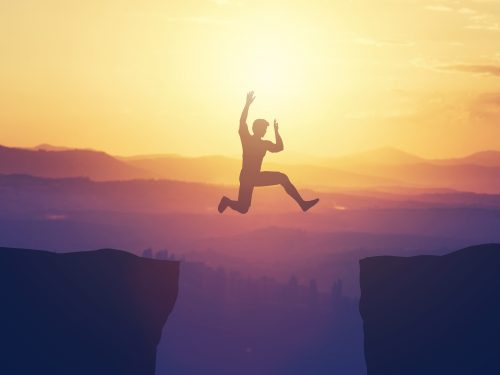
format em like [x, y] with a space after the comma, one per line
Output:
[254, 150]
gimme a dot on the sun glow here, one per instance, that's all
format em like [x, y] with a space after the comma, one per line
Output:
[172, 75]
[279, 65]
[273, 65]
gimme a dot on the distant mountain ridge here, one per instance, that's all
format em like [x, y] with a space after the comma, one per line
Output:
[47, 147]
[383, 155]
[225, 170]
[394, 156]
[67, 163]
[490, 158]
[385, 168]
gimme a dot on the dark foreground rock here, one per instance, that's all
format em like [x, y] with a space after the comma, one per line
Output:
[95, 312]
[432, 314]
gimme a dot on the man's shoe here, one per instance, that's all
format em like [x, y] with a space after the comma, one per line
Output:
[306, 205]
[222, 204]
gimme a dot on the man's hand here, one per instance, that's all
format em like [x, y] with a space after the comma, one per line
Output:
[278, 145]
[250, 97]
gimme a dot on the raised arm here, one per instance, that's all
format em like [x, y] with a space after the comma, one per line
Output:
[278, 145]
[243, 119]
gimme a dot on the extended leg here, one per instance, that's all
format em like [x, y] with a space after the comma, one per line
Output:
[278, 178]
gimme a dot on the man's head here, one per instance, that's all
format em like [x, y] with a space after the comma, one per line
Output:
[259, 127]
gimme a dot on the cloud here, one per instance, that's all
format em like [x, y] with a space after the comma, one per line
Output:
[202, 20]
[487, 26]
[483, 21]
[493, 70]
[221, 2]
[381, 43]
[486, 107]
[466, 11]
[476, 19]
[439, 8]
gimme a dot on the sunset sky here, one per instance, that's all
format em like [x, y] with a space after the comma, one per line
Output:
[148, 77]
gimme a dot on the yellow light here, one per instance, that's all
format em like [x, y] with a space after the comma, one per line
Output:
[270, 66]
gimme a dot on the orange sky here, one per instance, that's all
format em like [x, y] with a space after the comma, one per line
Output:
[132, 77]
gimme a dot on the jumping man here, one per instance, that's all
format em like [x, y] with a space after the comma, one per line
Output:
[254, 150]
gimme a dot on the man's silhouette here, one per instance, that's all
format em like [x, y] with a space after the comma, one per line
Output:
[254, 150]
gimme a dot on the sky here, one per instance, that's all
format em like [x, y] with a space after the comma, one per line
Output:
[149, 77]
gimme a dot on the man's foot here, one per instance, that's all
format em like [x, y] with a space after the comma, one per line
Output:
[223, 204]
[308, 204]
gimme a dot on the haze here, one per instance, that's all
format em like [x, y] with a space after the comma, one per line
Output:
[170, 76]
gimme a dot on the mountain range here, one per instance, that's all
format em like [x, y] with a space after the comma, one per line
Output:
[384, 168]
[66, 163]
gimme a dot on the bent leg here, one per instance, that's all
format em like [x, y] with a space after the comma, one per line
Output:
[278, 178]
[242, 205]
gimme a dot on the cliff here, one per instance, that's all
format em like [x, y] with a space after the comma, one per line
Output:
[96, 312]
[432, 314]
[67, 163]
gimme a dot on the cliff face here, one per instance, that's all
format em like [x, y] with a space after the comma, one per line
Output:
[96, 312]
[432, 314]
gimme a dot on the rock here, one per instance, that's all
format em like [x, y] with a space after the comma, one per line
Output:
[432, 314]
[93, 312]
